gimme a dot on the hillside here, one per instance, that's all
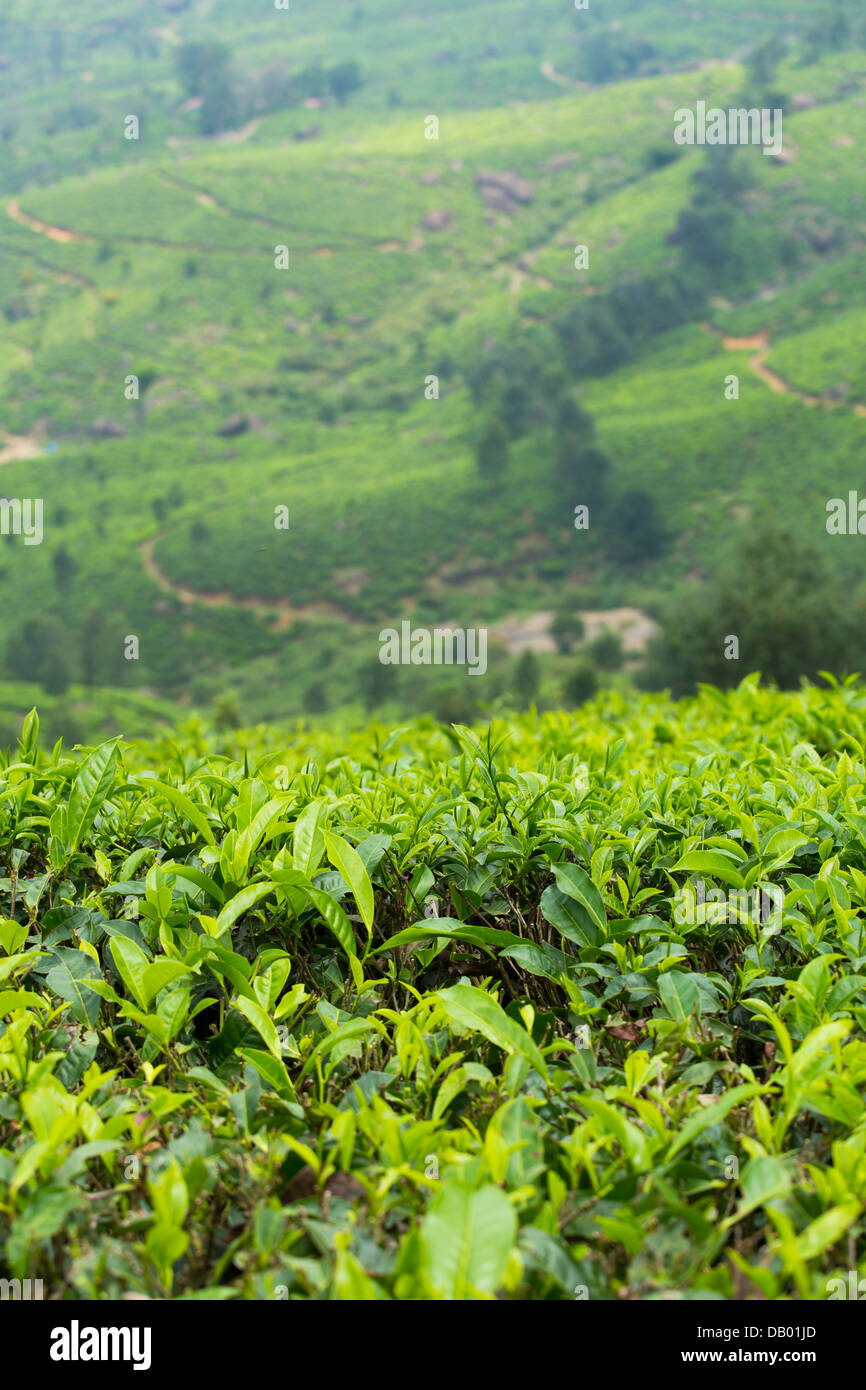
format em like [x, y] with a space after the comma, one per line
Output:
[307, 389]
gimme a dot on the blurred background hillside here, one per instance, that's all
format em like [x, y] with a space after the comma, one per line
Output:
[550, 305]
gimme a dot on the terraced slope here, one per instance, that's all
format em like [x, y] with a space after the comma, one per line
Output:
[307, 388]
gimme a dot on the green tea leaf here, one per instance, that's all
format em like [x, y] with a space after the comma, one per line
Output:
[470, 1008]
[466, 1239]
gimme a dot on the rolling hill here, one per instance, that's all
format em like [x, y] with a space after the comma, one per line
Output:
[304, 392]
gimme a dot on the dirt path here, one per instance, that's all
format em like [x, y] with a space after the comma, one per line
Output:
[238, 137]
[634, 628]
[19, 447]
[284, 612]
[760, 346]
[204, 199]
[13, 208]
[549, 71]
[207, 200]
[34, 224]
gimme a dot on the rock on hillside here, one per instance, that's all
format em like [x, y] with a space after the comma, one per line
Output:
[503, 192]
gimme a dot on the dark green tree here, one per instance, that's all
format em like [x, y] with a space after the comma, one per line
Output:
[776, 597]
[315, 698]
[573, 422]
[376, 683]
[527, 678]
[492, 452]
[204, 70]
[199, 63]
[226, 713]
[65, 568]
[581, 683]
[40, 651]
[567, 630]
[636, 533]
[581, 473]
[344, 79]
[762, 62]
[606, 651]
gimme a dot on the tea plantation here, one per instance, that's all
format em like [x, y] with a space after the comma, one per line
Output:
[569, 1008]
[169, 383]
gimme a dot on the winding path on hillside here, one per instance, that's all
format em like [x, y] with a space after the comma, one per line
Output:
[760, 346]
[14, 210]
[66, 234]
[282, 610]
[204, 199]
[550, 72]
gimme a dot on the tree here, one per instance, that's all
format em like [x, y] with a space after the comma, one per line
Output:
[567, 630]
[344, 79]
[454, 704]
[830, 29]
[581, 684]
[519, 382]
[55, 678]
[606, 651]
[275, 88]
[762, 61]
[311, 82]
[608, 55]
[204, 70]
[147, 376]
[705, 234]
[65, 568]
[527, 678]
[580, 473]
[574, 422]
[375, 682]
[636, 531]
[315, 698]
[198, 63]
[492, 452]
[725, 174]
[226, 713]
[220, 108]
[101, 656]
[39, 651]
[775, 596]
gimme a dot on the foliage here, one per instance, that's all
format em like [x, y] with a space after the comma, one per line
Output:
[581, 683]
[326, 364]
[567, 629]
[606, 651]
[778, 599]
[492, 453]
[441, 1014]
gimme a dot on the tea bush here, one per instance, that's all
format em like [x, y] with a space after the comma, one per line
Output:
[438, 1013]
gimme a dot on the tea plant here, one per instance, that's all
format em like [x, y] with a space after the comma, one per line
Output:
[441, 1013]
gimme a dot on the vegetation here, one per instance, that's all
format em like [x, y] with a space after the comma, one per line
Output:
[308, 389]
[537, 987]
[442, 1014]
